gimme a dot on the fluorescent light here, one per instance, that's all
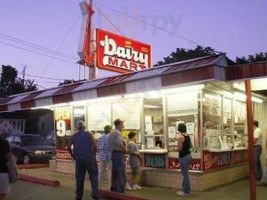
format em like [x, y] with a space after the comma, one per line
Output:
[256, 100]
[151, 106]
[184, 89]
[211, 96]
[242, 97]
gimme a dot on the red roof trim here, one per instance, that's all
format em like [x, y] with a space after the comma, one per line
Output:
[200, 74]
[62, 98]
[111, 90]
[3, 108]
[246, 71]
[27, 104]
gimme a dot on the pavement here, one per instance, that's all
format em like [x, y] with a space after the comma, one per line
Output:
[22, 190]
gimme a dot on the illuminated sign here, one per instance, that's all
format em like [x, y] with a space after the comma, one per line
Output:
[120, 54]
[62, 121]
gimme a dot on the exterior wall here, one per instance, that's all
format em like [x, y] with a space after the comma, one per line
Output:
[199, 181]
[65, 166]
[173, 178]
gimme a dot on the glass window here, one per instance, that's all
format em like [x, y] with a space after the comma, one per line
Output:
[129, 111]
[10, 139]
[212, 117]
[99, 115]
[183, 107]
[240, 124]
[17, 140]
[154, 129]
[227, 121]
[79, 114]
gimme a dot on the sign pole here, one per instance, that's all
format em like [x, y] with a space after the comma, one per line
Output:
[252, 181]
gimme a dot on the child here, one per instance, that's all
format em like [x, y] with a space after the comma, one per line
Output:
[135, 158]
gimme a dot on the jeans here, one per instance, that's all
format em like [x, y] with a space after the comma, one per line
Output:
[118, 172]
[82, 165]
[264, 177]
[185, 164]
[104, 173]
[257, 161]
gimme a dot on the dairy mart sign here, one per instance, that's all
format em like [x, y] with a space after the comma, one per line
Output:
[121, 54]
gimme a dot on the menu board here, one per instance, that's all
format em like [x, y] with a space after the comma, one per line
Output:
[129, 112]
[99, 115]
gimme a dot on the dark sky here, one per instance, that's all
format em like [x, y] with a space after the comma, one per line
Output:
[238, 27]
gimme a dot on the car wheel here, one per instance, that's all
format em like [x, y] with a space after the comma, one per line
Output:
[26, 159]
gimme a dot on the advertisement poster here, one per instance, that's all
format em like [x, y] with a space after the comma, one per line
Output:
[195, 165]
[63, 131]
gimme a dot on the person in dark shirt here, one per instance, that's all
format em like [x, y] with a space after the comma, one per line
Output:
[4, 178]
[84, 147]
[185, 158]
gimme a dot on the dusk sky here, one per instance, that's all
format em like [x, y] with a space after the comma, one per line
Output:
[237, 27]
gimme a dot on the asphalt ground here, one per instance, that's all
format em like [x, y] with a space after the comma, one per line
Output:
[22, 190]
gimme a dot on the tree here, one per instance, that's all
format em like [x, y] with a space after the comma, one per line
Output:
[258, 57]
[185, 54]
[10, 84]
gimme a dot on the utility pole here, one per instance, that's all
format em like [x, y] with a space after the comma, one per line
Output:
[23, 74]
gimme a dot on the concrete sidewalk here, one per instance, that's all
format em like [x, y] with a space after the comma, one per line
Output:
[27, 191]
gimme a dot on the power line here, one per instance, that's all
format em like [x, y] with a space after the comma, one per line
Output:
[109, 21]
[35, 52]
[157, 27]
[60, 44]
[35, 46]
[43, 77]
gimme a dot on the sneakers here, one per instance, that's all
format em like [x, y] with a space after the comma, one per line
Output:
[128, 187]
[137, 187]
[181, 193]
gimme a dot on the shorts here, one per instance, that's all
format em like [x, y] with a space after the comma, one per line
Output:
[135, 171]
[4, 182]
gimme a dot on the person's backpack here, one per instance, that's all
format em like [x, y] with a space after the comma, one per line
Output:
[12, 169]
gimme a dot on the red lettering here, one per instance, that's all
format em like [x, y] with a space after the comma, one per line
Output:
[133, 66]
[123, 64]
[112, 62]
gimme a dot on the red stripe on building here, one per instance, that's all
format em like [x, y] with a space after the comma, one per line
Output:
[200, 74]
[3, 108]
[111, 90]
[62, 98]
[247, 71]
[27, 104]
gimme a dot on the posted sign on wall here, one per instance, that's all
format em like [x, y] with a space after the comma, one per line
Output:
[120, 54]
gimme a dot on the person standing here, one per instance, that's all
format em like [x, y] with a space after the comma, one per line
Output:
[4, 177]
[263, 181]
[257, 150]
[185, 158]
[135, 158]
[104, 155]
[84, 148]
[118, 150]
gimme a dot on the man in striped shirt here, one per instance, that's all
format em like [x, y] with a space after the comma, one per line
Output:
[104, 154]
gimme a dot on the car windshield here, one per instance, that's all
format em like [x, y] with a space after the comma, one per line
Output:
[32, 140]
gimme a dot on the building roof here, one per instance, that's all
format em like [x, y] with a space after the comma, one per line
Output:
[184, 72]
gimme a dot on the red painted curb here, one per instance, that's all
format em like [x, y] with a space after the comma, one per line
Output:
[33, 166]
[37, 180]
[117, 196]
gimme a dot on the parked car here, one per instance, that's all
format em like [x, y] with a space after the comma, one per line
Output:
[51, 138]
[29, 148]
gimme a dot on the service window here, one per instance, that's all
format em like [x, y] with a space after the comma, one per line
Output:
[183, 107]
[79, 114]
[212, 118]
[154, 129]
